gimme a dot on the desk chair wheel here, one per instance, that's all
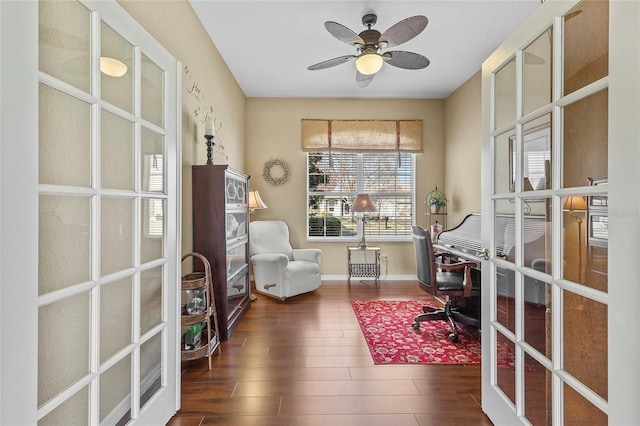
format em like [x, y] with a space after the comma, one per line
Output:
[416, 325]
[453, 337]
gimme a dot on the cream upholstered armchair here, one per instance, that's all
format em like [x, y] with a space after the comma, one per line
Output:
[280, 270]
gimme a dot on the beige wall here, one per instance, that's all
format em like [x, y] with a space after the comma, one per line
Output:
[462, 150]
[251, 131]
[175, 25]
[273, 131]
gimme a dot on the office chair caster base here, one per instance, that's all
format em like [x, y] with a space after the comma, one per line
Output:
[416, 325]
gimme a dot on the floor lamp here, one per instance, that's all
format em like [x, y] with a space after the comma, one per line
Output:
[255, 202]
[572, 204]
[363, 204]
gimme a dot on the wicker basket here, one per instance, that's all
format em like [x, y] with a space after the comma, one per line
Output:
[194, 319]
[194, 280]
[197, 353]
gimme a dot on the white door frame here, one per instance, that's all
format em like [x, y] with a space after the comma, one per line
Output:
[18, 187]
[19, 77]
[624, 211]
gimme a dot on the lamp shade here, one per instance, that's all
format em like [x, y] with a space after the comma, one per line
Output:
[363, 204]
[574, 203]
[369, 63]
[255, 202]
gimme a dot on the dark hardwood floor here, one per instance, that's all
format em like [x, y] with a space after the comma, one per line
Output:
[305, 362]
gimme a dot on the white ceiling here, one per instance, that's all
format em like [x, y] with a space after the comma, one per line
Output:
[268, 45]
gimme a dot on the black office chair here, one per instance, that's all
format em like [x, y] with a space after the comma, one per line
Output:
[443, 278]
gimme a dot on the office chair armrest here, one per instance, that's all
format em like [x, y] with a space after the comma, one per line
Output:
[467, 282]
[456, 266]
[441, 254]
[446, 258]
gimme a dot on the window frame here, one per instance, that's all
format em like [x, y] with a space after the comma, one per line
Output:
[359, 175]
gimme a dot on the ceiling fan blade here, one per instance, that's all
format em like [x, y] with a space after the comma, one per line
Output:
[363, 80]
[343, 33]
[331, 62]
[406, 60]
[404, 30]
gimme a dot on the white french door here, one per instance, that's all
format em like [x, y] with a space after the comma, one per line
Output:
[552, 291]
[101, 197]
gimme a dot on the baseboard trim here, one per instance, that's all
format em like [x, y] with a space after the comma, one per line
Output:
[345, 277]
[124, 406]
[382, 278]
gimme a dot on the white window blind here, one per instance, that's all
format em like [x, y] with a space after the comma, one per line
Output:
[333, 184]
[153, 208]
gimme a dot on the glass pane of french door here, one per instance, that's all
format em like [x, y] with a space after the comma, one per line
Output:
[548, 226]
[104, 268]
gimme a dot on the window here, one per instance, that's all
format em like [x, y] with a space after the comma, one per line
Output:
[334, 180]
[536, 170]
[153, 208]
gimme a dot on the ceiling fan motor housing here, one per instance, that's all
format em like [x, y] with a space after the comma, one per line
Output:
[370, 38]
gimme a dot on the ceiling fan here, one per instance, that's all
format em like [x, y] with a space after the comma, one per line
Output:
[370, 44]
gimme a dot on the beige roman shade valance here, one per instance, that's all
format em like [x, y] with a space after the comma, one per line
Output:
[361, 135]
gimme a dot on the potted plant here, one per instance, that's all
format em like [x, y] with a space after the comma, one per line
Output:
[192, 336]
[436, 199]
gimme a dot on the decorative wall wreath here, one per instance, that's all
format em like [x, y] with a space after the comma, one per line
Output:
[282, 175]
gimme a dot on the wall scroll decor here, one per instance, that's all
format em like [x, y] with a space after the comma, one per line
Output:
[276, 172]
[201, 113]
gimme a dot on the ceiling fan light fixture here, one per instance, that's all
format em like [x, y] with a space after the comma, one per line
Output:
[369, 63]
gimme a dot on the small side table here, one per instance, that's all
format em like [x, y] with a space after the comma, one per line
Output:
[364, 262]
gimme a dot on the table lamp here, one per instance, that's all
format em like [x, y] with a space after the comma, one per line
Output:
[255, 202]
[363, 204]
[571, 204]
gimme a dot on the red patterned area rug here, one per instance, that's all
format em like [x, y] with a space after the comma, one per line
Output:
[386, 326]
